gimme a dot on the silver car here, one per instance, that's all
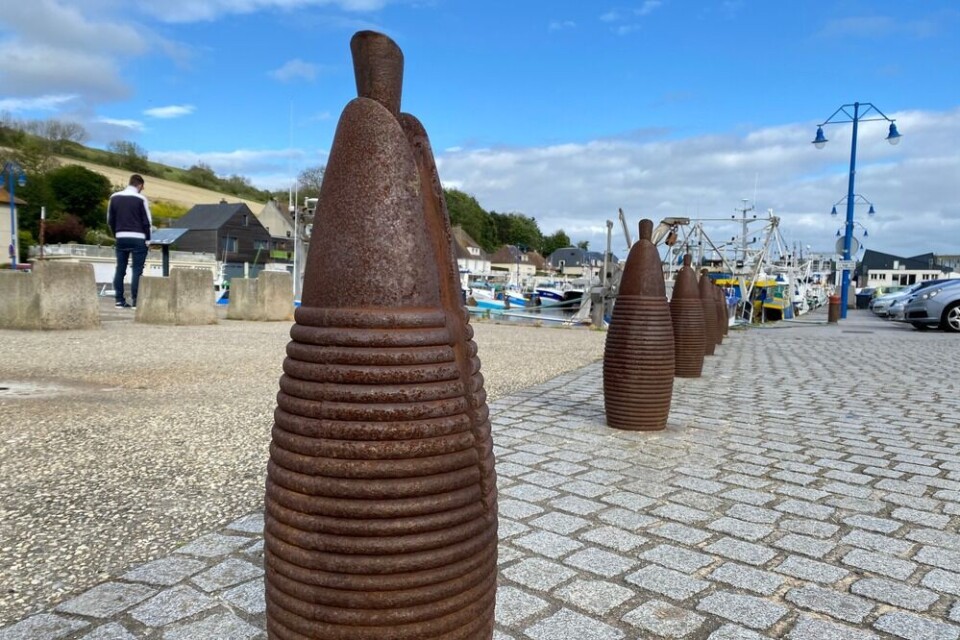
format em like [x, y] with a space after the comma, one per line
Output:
[937, 306]
[881, 304]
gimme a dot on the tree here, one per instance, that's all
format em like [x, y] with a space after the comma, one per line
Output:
[58, 133]
[584, 244]
[517, 229]
[309, 182]
[69, 228]
[466, 211]
[554, 241]
[81, 192]
[129, 155]
[36, 193]
[201, 175]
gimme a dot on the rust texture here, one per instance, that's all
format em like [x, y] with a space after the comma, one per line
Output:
[689, 330]
[724, 314]
[710, 319]
[718, 308]
[638, 359]
[381, 509]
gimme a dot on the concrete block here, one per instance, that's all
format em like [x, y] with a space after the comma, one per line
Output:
[54, 296]
[68, 295]
[267, 298]
[19, 301]
[184, 298]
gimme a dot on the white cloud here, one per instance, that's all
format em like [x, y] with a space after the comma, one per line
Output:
[122, 123]
[40, 103]
[648, 7]
[172, 111]
[295, 69]
[209, 10]
[39, 69]
[578, 186]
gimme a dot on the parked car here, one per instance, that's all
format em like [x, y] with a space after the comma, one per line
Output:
[936, 306]
[881, 304]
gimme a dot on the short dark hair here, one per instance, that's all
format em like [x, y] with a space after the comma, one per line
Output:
[136, 180]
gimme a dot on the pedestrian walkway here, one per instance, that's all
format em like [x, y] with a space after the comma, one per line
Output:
[807, 487]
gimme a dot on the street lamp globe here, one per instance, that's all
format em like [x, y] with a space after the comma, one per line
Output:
[821, 140]
[894, 136]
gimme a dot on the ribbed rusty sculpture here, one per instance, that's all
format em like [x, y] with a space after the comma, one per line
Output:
[638, 359]
[710, 320]
[715, 299]
[689, 329]
[723, 320]
[381, 515]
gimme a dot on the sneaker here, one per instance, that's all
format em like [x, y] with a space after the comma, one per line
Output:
[122, 305]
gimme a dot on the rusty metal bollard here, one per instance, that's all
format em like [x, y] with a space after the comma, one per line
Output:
[638, 358]
[689, 330]
[381, 512]
[833, 310]
[711, 323]
[720, 309]
[724, 311]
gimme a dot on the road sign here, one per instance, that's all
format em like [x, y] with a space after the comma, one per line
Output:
[846, 265]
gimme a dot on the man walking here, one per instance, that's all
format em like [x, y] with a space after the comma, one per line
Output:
[129, 218]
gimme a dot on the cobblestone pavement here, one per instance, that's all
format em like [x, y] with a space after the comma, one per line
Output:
[807, 487]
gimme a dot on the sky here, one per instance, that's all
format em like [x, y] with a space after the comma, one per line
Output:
[565, 111]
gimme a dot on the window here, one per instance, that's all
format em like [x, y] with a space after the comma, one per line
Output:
[261, 245]
[229, 244]
[474, 251]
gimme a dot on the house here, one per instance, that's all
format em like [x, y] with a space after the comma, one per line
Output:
[471, 258]
[278, 222]
[229, 230]
[576, 262]
[6, 232]
[516, 263]
[878, 269]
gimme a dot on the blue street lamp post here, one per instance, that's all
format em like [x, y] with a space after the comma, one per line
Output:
[15, 175]
[893, 138]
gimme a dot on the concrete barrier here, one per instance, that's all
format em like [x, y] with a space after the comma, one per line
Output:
[267, 298]
[54, 296]
[184, 298]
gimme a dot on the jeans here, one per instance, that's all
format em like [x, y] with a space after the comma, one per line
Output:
[137, 247]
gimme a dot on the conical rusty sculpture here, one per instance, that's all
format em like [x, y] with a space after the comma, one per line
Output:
[689, 329]
[719, 312]
[723, 320]
[638, 358]
[710, 320]
[381, 514]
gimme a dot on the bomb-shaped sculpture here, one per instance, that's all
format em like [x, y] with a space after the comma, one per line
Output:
[710, 319]
[381, 512]
[723, 320]
[638, 358]
[689, 329]
[717, 311]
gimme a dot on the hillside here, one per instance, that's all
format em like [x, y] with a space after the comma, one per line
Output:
[158, 189]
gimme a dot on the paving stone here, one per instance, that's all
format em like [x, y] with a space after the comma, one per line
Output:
[561, 523]
[805, 509]
[595, 596]
[748, 482]
[664, 619]
[899, 486]
[213, 545]
[927, 519]
[569, 625]
[538, 574]
[677, 558]
[681, 514]
[628, 500]
[741, 528]
[737, 575]
[172, 605]
[918, 469]
[222, 626]
[895, 593]
[883, 525]
[943, 581]
[110, 631]
[251, 523]
[939, 557]
[876, 542]
[577, 505]
[754, 514]
[515, 606]
[226, 574]
[248, 597]
[749, 496]
[107, 599]
[880, 563]
[914, 627]
[735, 632]
[743, 551]
[811, 570]
[850, 490]
[849, 478]
[944, 539]
[813, 528]
[856, 504]
[165, 571]
[803, 479]
[700, 485]
[805, 545]
[679, 533]
[518, 509]
[585, 488]
[562, 467]
[507, 528]
[750, 611]
[601, 477]
[830, 602]
[600, 562]
[43, 625]
[542, 478]
[529, 492]
[548, 544]
[626, 519]
[667, 582]
[810, 628]
[700, 501]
